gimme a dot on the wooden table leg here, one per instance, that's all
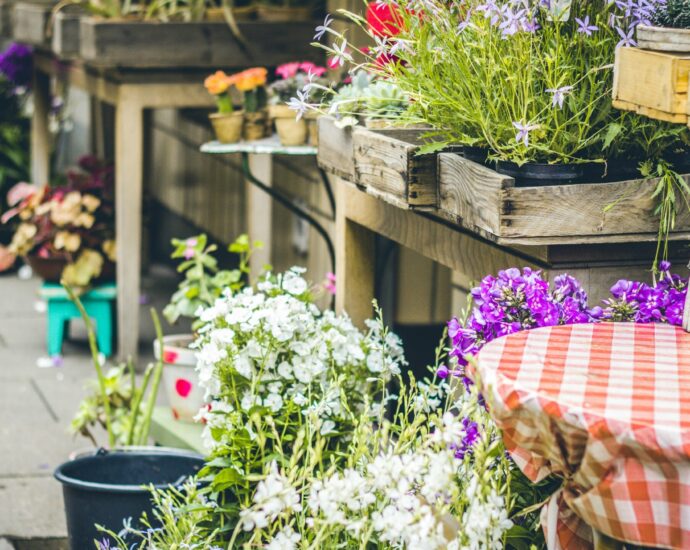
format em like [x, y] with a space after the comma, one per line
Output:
[355, 262]
[260, 212]
[40, 132]
[129, 145]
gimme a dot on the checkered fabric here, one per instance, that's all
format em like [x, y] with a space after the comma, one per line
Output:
[606, 406]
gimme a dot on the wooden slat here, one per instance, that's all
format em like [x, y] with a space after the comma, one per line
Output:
[651, 80]
[663, 39]
[152, 44]
[470, 192]
[580, 210]
[387, 160]
[65, 39]
[30, 22]
[336, 149]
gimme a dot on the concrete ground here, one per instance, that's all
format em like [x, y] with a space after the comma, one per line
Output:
[36, 406]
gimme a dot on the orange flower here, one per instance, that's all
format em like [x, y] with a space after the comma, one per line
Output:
[218, 83]
[251, 78]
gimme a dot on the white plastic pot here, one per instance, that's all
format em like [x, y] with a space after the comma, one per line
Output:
[180, 379]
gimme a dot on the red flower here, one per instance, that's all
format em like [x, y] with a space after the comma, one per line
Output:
[384, 19]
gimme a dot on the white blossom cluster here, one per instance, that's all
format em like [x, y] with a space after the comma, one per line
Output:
[274, 496]
[398, 496]
[273, 348]
[485, 521]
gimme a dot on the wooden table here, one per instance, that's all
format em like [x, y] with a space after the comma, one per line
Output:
[130, 92]
[361, 216]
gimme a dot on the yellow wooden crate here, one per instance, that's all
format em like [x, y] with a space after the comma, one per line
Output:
[652, 83]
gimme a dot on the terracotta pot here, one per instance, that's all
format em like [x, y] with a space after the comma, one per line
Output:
[228, 126]
[312, 119]
[254, 125]
[180, 379]
[50, 269]
[290, 130]
[283, 14]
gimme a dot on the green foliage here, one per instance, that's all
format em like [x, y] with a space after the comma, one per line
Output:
[120, 406]
[14, 142]
[673, 13]
[203, 282]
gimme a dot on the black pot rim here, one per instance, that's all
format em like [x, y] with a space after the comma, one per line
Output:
[75, 483]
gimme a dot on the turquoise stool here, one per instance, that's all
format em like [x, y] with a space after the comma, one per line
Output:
[98, 303]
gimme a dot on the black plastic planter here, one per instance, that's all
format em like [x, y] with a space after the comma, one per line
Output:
[108, 487]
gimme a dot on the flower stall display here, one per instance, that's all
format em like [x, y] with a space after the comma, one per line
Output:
[67, 232]
[523, 87]
[292, 78]
[203, 283]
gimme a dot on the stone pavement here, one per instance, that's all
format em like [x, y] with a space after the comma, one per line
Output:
[36, 406]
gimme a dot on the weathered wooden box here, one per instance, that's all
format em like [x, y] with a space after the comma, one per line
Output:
[654, 84]
[30, 23]
[66, 34]
[662, 39]
[383, 161]
[152, 44]
[489, 203]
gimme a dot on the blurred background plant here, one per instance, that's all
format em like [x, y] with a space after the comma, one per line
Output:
[673, 13]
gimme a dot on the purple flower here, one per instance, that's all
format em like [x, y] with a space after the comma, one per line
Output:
[584, 26]
[469, 438]
[16, 64]
[627, 39]
[442, 372]
[523, 131]
[559, 95]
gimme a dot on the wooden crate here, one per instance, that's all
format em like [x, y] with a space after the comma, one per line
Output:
[31, 22]
[65, 33]
[211, 44]
[654, 84]
[385, 162]
[662, 39]
[488, 203]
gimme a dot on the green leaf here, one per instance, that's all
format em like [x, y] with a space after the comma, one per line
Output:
[433, 147]
[612, 132]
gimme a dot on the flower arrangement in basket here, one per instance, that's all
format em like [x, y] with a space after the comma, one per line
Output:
[292, 78]
[524, 87]
[250, 122]
[67, 232]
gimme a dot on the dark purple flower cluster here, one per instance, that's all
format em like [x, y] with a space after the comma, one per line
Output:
[16, 64]
[642, 303]
[519, 300]
[468, 440]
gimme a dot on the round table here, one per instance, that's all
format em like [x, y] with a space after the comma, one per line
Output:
[607, 407]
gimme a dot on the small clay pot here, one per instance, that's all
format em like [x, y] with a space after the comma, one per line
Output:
[290, 130]
[228, 126]
[254, 125]
[283, 14]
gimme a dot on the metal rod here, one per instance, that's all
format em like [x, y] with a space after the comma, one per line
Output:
[292, 206]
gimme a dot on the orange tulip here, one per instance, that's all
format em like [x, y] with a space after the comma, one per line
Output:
[217, 83]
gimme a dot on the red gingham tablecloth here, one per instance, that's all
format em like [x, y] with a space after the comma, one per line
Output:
[606, 406]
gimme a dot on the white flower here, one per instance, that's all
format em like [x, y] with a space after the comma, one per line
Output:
[274, 402]
[327, 427]
[286, 539]
[273, 496]
[294, 284]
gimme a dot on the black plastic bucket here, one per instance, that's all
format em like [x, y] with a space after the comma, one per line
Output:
[108, 487]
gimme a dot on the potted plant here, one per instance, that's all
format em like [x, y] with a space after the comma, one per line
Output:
[669, 30]
[109, 487]
[227, 122]
[67, 232]
[252, 84]
[293, 77]
[203, 283]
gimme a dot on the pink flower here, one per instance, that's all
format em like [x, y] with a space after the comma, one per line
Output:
[288, 70]
[329, 283]
[20, 191]
[309, 67]
[190, 251]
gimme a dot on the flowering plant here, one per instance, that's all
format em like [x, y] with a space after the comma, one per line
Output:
[74, 222]
[218, 85]
[16, 63]
[518, 300]
[293, 77]
[203, 282]
[252, 84]
[672, 13]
